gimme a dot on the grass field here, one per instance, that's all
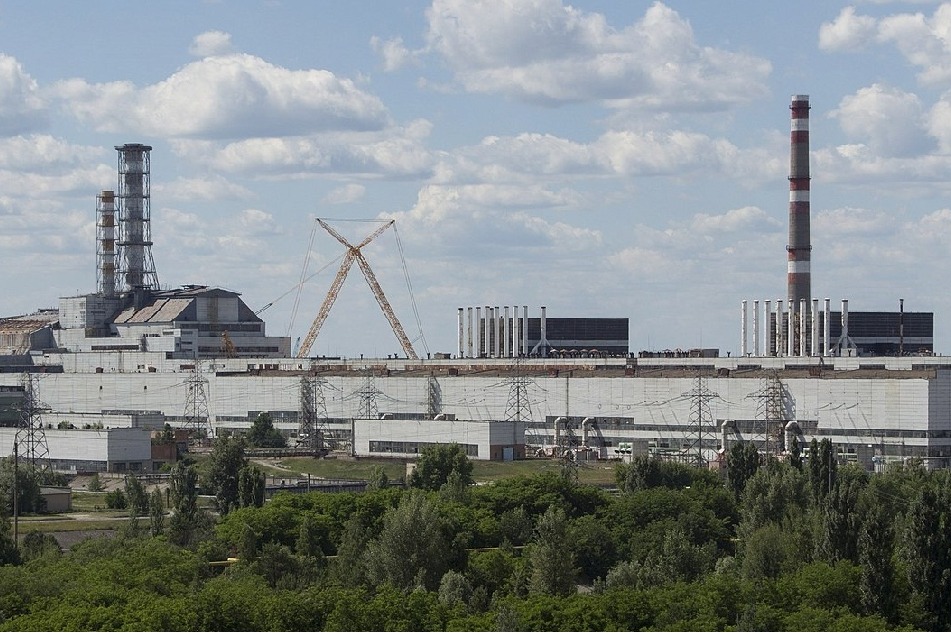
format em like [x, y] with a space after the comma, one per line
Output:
[601, 473]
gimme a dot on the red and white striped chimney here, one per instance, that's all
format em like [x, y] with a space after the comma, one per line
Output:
[799, 248]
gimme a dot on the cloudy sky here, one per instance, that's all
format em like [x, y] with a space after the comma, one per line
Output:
[623, 159]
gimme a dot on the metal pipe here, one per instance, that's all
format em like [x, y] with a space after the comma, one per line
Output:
[462, 335]
[486, 329]
[791, 329]
[803, 329]
[469, 339]
[478, 332]
[507, 331]
[525, 330]
[544, 338]
[496, 331]
[815, 351]
[756, 328]
[780, 345]
[845, 327]
[827, 328]
[743, 332]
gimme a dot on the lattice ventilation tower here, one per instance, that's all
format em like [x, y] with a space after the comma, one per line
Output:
[133, 206]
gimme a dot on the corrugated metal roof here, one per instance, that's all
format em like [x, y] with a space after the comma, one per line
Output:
[171, 309]
[159, 311]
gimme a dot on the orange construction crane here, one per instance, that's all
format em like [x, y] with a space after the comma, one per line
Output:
[354, 255]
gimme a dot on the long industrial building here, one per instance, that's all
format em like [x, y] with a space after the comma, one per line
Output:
[875, 409]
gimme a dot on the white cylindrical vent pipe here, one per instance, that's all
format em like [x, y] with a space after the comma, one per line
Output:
[544, 335]
[768, 349]
[497, 331]
[469, 338]
[845, 326]
[827, 328]
[815, 328]
[780, 340]
[478, 332]
[791, 329]
[462, 334]
[506, 333]
[803, 328]
[744, 335]
[755, 327]
[525, 330]
[486, 330]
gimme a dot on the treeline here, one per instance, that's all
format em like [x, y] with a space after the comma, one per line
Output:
[797, 545]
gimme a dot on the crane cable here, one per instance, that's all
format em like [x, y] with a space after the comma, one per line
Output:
[409, 287]
[303, 273]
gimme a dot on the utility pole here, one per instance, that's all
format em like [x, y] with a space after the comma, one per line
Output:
[700, 417]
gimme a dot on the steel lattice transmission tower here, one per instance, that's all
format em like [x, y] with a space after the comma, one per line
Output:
[701, 421]
[197, 420]
[30, 438]
[519, 407]
[136, 267]
[770, 414]
[313, 425]
[368, 394]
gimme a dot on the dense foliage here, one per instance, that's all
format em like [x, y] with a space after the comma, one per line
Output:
[795, 548]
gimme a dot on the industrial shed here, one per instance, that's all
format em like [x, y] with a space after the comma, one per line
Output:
[406, 438]
[92, 450]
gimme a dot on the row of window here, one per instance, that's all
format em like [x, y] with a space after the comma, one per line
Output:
[414, 447]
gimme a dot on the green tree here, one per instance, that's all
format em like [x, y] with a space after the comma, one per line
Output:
[823, 467]
[437, 462]
[156, 513]
[795, 454]
[642, 472]
[741, 463]
[264, 434]
[928, 551]
[552, 564]
[876, 545]
[36, 544]
[411, 550]
[136, 497]
[839, 531]
[377, 479]
[95, 484]
[116, 499]
[251, 486]
[224, 464]
[187, 520]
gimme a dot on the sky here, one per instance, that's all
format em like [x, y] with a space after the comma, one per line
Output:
[622, 159]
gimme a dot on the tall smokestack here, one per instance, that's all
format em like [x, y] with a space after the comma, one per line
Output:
[799, 246]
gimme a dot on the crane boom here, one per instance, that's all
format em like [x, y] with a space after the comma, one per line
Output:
[354, 254]
[328, 302]
[385, 306]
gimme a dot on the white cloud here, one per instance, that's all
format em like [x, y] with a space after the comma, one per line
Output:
[847, 32]
[890, 121]
[924, 41]
[395, 151]
[201, 188]
[22, 109]
[351, 192]
[547, 52]
[211, 43]
[736, 220]
[226, 97]
[393, 52]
